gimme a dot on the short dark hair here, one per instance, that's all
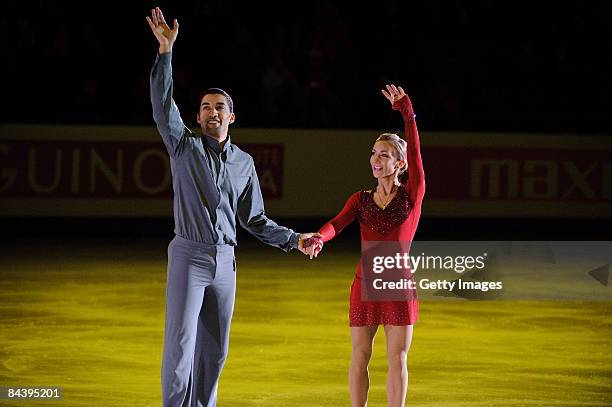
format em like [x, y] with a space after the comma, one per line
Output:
[219, 91]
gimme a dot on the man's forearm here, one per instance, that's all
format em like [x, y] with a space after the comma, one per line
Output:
[165, 112]
[271, 233]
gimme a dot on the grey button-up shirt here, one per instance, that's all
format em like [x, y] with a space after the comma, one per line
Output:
[212, 185]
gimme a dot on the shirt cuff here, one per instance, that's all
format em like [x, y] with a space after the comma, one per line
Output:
[166, 56]
[294, 240]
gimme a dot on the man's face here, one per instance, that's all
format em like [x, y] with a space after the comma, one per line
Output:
[214, 116]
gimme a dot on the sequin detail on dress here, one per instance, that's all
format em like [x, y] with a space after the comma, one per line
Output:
[384, 220]
[397, 222]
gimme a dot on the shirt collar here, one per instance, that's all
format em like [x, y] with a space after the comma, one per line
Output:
[215, 146]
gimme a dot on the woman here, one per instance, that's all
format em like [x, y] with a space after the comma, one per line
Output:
[389, 213]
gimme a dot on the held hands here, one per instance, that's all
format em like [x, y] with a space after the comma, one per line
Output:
[310, 244]
[162, 32]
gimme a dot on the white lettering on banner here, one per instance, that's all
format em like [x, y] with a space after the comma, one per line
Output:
[266, 181]
[137, 172]
[33, 183]
[519, 176]
[76, 171]
[10, 174]
[549, 181]
[495, 168]
[265, 157]
[116, 180]
[63, 171]
[579, 179]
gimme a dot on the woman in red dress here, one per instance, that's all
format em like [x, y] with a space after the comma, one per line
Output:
[388, 214]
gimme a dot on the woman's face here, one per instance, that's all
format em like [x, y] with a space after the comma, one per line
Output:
[382, 160]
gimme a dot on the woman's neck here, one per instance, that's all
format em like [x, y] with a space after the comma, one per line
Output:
[386, 184]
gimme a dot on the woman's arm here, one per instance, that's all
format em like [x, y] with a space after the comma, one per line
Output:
[332, 228]
[416, 175]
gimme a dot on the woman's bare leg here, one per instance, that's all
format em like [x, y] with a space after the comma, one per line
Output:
[362, 338]
[398, 344]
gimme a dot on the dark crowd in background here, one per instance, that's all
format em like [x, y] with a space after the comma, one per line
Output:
[468, 66]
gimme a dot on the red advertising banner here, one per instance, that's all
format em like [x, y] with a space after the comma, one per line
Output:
[518, 174]
[125, 171]
[109, 169]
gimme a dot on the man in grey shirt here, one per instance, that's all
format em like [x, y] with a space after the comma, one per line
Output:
[214, 182]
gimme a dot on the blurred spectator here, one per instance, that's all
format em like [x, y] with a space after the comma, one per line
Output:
[318, 64]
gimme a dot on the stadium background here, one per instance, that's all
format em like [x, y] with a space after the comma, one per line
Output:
[512, 106]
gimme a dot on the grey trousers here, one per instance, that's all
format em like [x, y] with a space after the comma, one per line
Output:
[200, 293]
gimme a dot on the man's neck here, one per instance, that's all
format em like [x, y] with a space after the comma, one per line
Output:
[221, 139]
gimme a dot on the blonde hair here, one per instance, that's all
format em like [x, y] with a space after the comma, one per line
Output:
[399, 145]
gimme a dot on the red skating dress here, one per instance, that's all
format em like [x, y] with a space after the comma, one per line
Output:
[397, 222]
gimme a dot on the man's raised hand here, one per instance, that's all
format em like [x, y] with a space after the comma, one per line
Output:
[162, 32]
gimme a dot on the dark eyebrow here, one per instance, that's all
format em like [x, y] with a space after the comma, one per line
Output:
[208, 103]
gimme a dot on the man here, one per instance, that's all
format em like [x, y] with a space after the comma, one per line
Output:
[214, 182]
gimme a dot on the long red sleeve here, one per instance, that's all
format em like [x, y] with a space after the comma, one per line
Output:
[346, 216]
[415, 185]
[416, 175]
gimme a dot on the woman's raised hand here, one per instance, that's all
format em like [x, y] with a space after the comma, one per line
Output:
[393, 94]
